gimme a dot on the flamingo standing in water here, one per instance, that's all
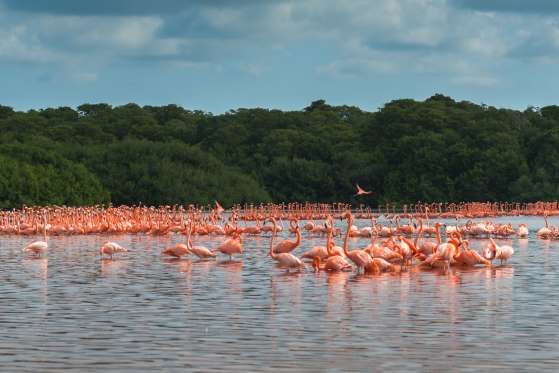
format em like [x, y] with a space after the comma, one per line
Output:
[469, 257]
[544, 232]
[334, 263]
[110, 248]
[201, 252]
[287, 246]
[426, 248]
[445, 252]
[324, 252]
[285, 260]
[231, 246]
[522, 231]
[378, 265]
[38, 247]
[494, 251]
[359, 257]
[177, 251]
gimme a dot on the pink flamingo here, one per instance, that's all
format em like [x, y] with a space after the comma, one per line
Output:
[285, 260]
[287, 246]
[231, 246]
[38, 247]
[201, 252]
[378, 265]
[494, 251]
[177, 251]
[469, 257]
[361, 191]
[359, 257]
[544, 232]
[110, 248]
[334, 263]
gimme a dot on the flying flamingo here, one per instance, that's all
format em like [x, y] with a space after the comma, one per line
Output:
[359, 257]
[38, 247]
[361, 191]
[285, 260]
[110, 248]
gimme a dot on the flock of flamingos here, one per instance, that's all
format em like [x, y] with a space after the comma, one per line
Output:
[408, 239]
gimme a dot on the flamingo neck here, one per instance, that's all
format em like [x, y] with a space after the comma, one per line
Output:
[274, 231]
[346, 238]
[188, 241]
[418, 233]
[298, 239]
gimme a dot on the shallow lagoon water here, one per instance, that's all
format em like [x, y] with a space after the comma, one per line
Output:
[73, 311]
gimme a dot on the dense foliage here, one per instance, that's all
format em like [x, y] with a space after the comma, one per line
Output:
[435, 150]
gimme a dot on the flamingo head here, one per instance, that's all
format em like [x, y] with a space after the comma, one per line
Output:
[489, 251]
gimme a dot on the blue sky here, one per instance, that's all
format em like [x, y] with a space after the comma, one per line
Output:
[216, 55]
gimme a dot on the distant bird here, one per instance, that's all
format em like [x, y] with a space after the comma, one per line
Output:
[39, 247]
[361, 191]
[218, 208]
[110, 248]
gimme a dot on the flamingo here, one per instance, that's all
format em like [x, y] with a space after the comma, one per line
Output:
[376, 251]
[378, 265]
[522, 231]
[110, 248]
[445, 252]
[287, 246]
[469, 257]
[285, 260]
[38, 247]
[359, 257]
[544, 232]
[177, 251]
[427, 248]
[218, 208]
[334, 263]
[231, 246]
[324, 251]
[494, 251]
[361, 191]
[201, 252]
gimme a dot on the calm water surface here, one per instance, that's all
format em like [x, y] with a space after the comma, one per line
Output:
[73, 311]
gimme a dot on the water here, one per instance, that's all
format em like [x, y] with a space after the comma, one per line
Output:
[72, 311]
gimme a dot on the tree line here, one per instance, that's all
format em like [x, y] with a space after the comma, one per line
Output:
[407, 151]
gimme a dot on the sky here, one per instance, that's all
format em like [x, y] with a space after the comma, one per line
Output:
[217, 55]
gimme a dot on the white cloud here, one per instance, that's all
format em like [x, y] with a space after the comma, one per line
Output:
[16, 44]
[475, 80]
[86, 77]
[380, 37]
